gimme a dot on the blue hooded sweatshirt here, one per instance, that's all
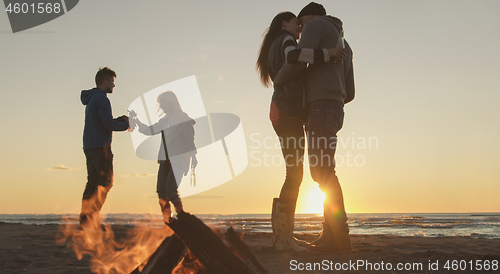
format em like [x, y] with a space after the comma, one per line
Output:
[99, 122]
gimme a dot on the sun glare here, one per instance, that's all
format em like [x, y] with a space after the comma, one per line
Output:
[313, 202]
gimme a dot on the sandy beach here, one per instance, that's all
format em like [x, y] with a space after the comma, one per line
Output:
[33, 249]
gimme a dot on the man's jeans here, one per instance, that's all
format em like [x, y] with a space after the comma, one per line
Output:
[99, 182]
[325, 119]
[99, 170]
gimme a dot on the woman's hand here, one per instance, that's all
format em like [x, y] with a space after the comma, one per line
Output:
[132, 120]
[337, 54]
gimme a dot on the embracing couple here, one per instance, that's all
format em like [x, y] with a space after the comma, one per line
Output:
[312, 81]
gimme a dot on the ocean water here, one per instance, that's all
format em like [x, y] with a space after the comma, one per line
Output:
[473, 225]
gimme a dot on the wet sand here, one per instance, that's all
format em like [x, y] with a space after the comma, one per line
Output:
[33, 249]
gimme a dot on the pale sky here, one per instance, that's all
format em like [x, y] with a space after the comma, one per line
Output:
[427, 94]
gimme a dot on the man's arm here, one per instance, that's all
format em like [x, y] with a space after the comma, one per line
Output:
[349, 85]
[104, 110]
[294, 55]
[288, 71]
[349, 80]
[310, 39]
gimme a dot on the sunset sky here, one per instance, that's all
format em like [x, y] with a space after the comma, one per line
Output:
[421, 135]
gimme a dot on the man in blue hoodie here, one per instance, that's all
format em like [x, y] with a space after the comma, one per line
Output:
[99, 125]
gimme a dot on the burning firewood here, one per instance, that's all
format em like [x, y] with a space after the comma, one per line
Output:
[189, 265]
[243, 251]
[164, 259]
[211, 251]
[206, 251]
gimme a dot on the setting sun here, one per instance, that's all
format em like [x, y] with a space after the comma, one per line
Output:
[312, 201]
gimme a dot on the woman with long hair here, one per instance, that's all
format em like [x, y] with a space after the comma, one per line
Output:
[176, 152]
[288, 114]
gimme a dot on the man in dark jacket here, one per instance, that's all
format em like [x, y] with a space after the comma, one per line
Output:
[328, 87]
[99, 125]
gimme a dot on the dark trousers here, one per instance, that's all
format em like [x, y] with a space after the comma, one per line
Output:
[290, 132]
[99, 170]
[99, 182]
[166, 185]
[326, 118]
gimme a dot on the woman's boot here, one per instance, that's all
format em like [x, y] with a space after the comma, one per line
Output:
[282, 222]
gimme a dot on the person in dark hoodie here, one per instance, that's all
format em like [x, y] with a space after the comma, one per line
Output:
[97, 132]
[177, 150]
[328, 87]
[287, 114]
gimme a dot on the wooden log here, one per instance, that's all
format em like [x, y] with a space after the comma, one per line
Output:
[206, 246]
[189, 265]
[244, 252]
[165, 258]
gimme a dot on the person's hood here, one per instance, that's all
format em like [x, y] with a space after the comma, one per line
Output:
[87, 94]
[334, 20]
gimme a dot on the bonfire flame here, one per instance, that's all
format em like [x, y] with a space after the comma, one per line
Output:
[107, 254]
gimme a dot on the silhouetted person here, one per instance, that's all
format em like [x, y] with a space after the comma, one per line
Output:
[328, 87]
[176, 151]
[288, 114]
[99, 125]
